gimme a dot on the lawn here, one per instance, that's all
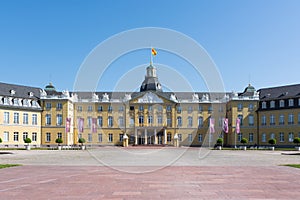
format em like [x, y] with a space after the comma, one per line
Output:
[8, 165]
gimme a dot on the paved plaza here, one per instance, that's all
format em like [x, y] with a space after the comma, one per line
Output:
[149, 173]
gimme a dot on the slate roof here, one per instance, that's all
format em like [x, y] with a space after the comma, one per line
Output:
[20, 91]
[281, 92]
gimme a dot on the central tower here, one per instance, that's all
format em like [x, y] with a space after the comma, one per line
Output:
[151, 82]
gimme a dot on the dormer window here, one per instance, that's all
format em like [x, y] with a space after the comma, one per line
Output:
[272, 104]
[12, 92]
[16, 102]
[291, 102]
[30, 94]
[264, 105]
[281, 103]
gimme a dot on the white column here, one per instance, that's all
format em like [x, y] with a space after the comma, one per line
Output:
[155, 137]
[136, 140]
[146, 137]
[165, 136]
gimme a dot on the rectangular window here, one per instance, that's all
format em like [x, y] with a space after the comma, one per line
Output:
[298, 118]
[100, 137]
[79, 108]
[89, 121]
[251, 120]
[90, 137]
[263, 120]
[90, 108]
[159, 119]
[150, 120]
[169, 121]
[5, 136]
[169, 137]
[291, 102]
[121, 121]
[110, 137]
[250, 137]
[34, 137]
[141, 120]
[159, 108]
[239, 137]
[179, 121]
[291, 137]
[178, 109]
[110, 108]
[100, 121]
[200, 121]
[59, 135]
[25, 118]
[131, 121]
[200, 137]
[180, 137]
[149, 108]
[272, 120]
[16, 118]
[200, 108]
[48, 119]
[25, 135]
[190, 109]
[121, 135]
[190, 121]
[291, 119]
[263, 137]
[58, 106]
[281, 119]
[190, 137]
[121, 108]
[281, 137]
[210, 109]
[16, 136]
[59, 119]
[6, 118]
[169, 108]
[100, 109]
[250, 107]
[141, 108]
[241, 119]
[34, 119]
[272, 136]
[110, 121]
[240, 107]
[48, 137]
[48, 106]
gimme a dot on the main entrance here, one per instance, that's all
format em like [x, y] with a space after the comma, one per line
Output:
[146, 136]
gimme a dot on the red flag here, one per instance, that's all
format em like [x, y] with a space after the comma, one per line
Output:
[225, 125]
[68, 124]
[237, 128]
[80, 124]
[94, 127]
[211, 125]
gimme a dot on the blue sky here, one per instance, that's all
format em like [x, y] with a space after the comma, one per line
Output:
[256, 40]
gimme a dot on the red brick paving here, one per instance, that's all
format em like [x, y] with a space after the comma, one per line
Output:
[92, 182]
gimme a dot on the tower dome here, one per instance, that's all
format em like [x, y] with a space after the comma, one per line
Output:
[151, 81]
[50, 88]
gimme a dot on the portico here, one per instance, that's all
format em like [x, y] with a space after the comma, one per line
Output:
[153, 135]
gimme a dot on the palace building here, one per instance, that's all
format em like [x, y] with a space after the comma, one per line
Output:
[148, 117]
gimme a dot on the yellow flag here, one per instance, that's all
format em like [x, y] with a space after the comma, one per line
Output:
[153, 51]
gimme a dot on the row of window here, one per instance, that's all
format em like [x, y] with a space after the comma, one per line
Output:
[59, 119]
[282, 102]
[17, 135]
[250, 107]
[59, 106]
[19, 102]
[281, 136]
[281, 120]
[16, 119]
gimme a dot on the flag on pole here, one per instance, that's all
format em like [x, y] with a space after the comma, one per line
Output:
[80, 124]
[153, 51]
[225, 125]
[237, 127]
[68, 124]
[211, 125]
[94, 127]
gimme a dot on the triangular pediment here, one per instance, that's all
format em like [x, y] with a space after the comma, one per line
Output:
[150, 97]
